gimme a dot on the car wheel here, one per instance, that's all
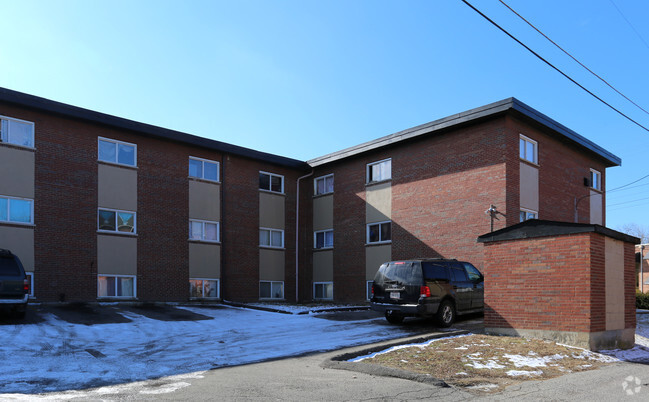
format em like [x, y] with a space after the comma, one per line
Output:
[446, 314]
[393, 318]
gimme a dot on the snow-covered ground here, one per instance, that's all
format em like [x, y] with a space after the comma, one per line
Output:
[55, 355]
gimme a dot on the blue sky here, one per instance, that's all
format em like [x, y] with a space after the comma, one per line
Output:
[305, 78]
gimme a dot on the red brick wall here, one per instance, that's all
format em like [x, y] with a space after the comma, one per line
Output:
[441, 187]
[542, 284]
[562, 169]
[629, 286]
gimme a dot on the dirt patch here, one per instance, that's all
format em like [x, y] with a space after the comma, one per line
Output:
[88, 314]
[487, 364]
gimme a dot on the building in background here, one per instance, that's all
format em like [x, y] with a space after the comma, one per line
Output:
[103, 208]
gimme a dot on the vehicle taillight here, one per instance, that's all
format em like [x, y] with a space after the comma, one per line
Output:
[424, 291]
[372, 290]
[26, 286]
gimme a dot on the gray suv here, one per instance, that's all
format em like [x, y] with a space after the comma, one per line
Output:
[431, 288]
[14, 287]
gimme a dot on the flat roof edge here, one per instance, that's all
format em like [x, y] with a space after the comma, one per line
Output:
[63, 109]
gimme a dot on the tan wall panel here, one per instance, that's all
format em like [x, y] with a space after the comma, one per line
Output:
[19, 241]
[271, 210]
[204, 201]
[271, 265]
[614, 274]
[204, 261]
[323, 266]
[17, 167]
[596, 215]
[529, 187]
[117, 187]
[378, 206]
[323, 212]
[116, 255]
[374, 257]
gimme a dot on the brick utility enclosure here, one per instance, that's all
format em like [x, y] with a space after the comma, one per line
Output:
[567, 282]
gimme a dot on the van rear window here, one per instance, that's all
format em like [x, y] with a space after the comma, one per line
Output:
[408, 272]
[9, 267]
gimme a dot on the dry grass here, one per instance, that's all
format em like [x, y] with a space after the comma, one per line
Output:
[484, 363]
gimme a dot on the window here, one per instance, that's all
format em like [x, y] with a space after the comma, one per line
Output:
[526, 214]
[323, 185]
[116, 286]
[203, 230]
[435, 271]
[323, 290]
[527, 149]
[271, 238]
[271, 290]
[203, 169]
[16, 210]
[204, 288]
[119, 152]
[595, 180]
[379, 171]
[323, 239]
[474, 274]
[17, 132]
[369, 289]
[113, 220]
[379, 232]
[30, 280]
[271, 182]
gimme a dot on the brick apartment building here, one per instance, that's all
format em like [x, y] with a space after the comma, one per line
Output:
[103, 208]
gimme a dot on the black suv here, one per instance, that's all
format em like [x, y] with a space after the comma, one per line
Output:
[427, 287]
[14, 287]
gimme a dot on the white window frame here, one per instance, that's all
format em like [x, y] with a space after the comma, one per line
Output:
[270, 182]
[367, 233]
[117, 143]
[271, 291]
[5, 135]
[31, 211]
[315, 239]
[203, 239]
[270, 238]
[595, 180]
[31, 282]
[323, 283]
[118, 276]
[134, 232]
[324, 179]
[368, 290]
[203, 161]
[525, 140]
[527, 211]
[218, 289]
[368, 170]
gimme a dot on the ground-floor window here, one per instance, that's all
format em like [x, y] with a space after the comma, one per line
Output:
[323, 290]
[369, 290]
[30, 280]
[204, 288]
[116, 286]
[271, 290]
[526, 214]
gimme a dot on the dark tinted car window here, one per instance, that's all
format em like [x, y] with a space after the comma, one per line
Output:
[459, 275]
[402, 272]
[474, 274]
[435, 271]
[9, 267]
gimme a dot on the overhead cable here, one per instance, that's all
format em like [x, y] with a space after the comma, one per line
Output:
[555, 68]
[572, 57]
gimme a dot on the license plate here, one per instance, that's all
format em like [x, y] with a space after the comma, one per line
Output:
[395, 295]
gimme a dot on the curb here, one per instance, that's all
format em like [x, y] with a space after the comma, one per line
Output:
[310, 311]
[341, 362]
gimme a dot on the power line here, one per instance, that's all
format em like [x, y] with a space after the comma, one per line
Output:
[631, 25]
[555, 68]
[572, 57]
[626, 185]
